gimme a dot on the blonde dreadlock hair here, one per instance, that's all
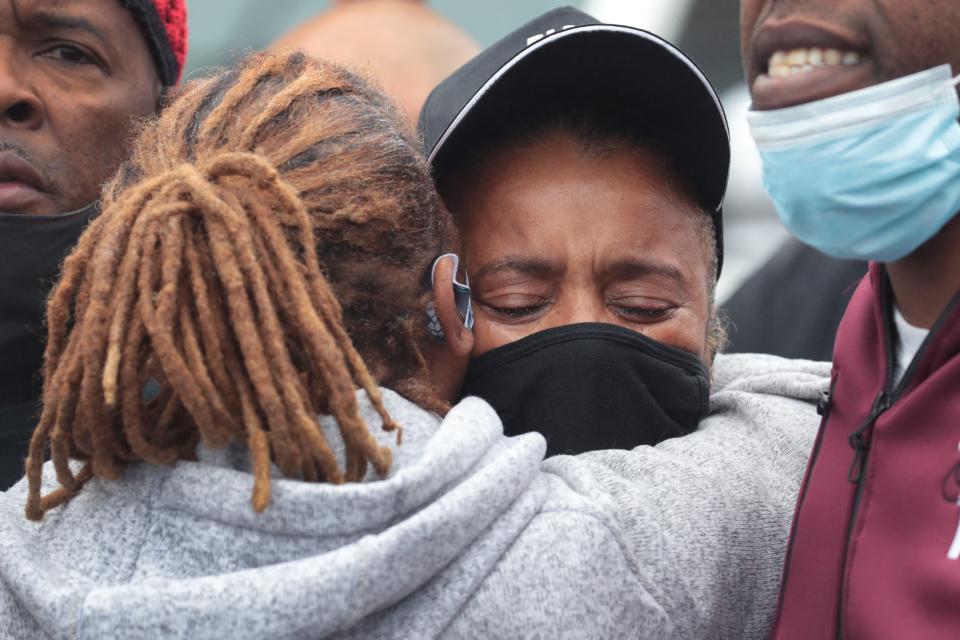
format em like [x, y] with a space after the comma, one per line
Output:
[266, 212]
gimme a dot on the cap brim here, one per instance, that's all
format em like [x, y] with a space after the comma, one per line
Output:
[627, 68]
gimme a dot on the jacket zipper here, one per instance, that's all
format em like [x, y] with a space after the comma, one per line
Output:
[860, 439]
[860, 443]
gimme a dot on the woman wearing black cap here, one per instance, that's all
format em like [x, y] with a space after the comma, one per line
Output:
[586, 165]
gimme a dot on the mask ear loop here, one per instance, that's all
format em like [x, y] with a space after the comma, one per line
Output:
[461, 297]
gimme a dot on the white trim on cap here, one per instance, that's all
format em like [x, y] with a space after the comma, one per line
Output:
[567, 33]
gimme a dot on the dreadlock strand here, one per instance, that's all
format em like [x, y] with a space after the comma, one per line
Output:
[252, 348]
[62, 494]
[131, 404]
[33, 467]
[153, 314]
[208, 320]
[64, 414]
[259, 453]
[220, 116]
[217, 434]
[103, 441]
[124, 296]
[304, 86]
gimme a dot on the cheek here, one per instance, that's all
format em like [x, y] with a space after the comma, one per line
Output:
[489, 334]
[94, 139]
[686, 330]
[749, 11]
[101, 126]
[914, 39]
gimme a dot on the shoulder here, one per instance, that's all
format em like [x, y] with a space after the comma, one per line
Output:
[766, 403]
[760, 373]
[569, 574]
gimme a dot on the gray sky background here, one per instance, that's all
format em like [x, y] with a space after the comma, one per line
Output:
[220, 30]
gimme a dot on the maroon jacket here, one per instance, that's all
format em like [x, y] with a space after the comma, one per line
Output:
[878, 509]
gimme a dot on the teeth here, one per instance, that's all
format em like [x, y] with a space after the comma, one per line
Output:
[797, 57]
[787, 63]
[851, 57]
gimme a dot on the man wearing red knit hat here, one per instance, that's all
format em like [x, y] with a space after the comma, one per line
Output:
[75, 76]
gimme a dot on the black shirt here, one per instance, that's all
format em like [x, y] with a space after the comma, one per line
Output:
[32, 249]
[792, 306]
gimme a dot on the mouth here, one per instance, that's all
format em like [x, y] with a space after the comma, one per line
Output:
[21, 186]
[795, 62]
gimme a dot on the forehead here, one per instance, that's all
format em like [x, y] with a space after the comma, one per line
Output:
[108, 19]
[552, 198]
[557, 170]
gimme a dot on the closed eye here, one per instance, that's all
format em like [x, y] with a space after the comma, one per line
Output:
[646, 312]
[517, 312]
[515, 306]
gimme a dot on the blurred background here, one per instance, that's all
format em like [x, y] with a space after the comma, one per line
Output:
[707, 30]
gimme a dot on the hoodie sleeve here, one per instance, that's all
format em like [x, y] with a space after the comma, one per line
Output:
[15, 620]
[706, 517]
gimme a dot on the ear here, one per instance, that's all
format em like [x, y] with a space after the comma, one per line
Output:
[458, 337]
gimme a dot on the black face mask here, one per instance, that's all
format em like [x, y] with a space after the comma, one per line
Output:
[592, 386]
[32, 249]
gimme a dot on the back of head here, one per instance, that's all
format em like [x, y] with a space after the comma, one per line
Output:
[270, 219]
[408, 45]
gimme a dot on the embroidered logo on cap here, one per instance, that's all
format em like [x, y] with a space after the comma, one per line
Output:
[548, 32]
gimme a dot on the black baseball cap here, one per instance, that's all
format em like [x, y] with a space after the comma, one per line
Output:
[567, 56]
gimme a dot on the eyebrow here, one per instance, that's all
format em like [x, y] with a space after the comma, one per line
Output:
[527, 266]
[66, 22]
[639, 268]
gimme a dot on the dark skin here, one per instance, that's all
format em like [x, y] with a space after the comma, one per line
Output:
[75, 75]
[553, 235]
[892, 38]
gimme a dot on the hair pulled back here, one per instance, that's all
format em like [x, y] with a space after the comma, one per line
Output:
[271, 218]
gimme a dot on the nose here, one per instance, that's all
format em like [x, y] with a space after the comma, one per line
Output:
[20, 106]
[580, 306]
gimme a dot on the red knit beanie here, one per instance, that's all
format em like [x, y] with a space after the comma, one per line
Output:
[164, 24]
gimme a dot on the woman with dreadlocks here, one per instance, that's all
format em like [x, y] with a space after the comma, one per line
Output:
[233, 251]
[250, 359]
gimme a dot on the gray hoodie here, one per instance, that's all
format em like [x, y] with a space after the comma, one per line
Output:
[471, 535]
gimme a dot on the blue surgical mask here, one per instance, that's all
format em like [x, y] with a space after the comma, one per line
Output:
[868, 175]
